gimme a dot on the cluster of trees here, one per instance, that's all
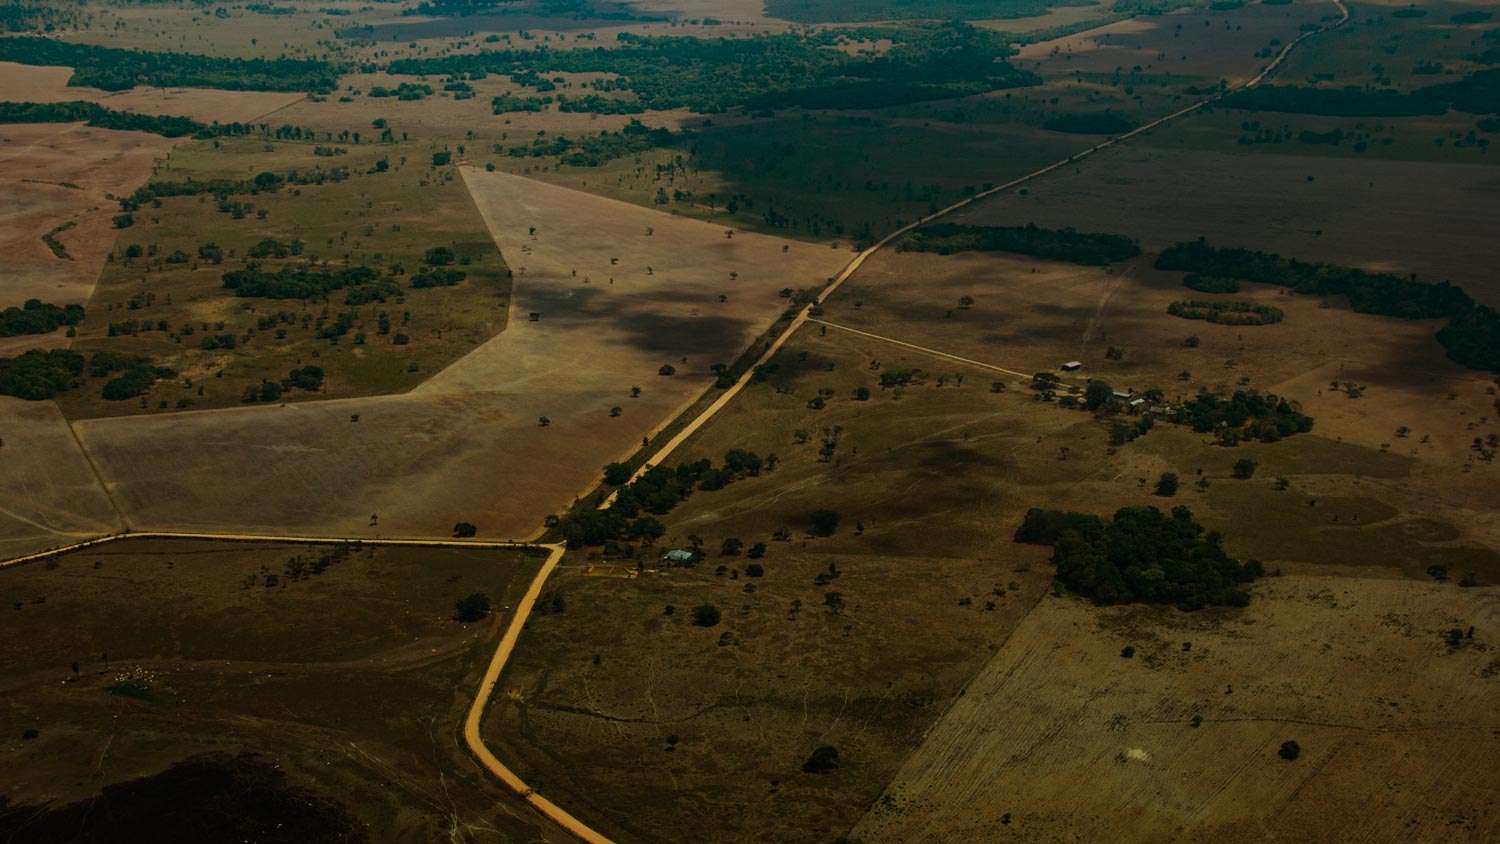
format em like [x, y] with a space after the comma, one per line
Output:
[38, 317]
[437, 278]
[507, 103]
[75, 111]
[1472, 336]
[114, 69]
[404, 91]
[1477, 93]
[1210, 283]
[794, 69]
[1141, 555]
[1090, 123]
[593, 150]
[133, 374]
[1053, 244]
[1246, 414]
[265, 182]
[37, 375]
[304, 282]
[656, 491]
[1226, 313]
[595, 104]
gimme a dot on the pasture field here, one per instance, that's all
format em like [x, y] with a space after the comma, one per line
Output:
[52, 496]
[56, 179]
[944, 451]
[651, 290]
[386, 220]
[342, 666]
[1427, 218]
[1395, 726]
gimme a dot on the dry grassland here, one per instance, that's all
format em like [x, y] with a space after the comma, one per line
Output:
[353, 680]
[1432, 219]
[1030, 315]
[467, 444]
[937, 474]
[51, 495]
[1204, 44]
[54, 178]
[1059, 738]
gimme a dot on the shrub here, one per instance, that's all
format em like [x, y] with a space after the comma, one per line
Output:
[823, 522]
[473, 608]
[464, 530]
[616, 474]
[1289, 751]
[1244, 468]
[705, 615]
[822, 760]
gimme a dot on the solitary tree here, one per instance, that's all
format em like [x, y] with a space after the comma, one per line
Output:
[823, 522]
[1166, 485]
[473, 608]
[705, 615]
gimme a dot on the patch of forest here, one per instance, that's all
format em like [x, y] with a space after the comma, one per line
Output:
[1076, 247]
[1476, 93]
[778, 71]
[114, 69]
[1140, 555]
[37, 375]
[1089, 123]
[38, 317]
[1471, 338]
[93, 114]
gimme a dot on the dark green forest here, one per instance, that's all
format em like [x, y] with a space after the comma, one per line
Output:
[1053, 244]
[38, 317]
[93, 114]
[1476, 93]
[1472, 336]
[777, 71]
[1141, 555]
[114, 69]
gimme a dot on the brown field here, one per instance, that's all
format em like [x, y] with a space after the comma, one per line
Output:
[58, 174]
[1222, 45]
[51, 496]
[1031, 315]
[1397, 731]
[352, 680]
[1427, 218]
[467, 445]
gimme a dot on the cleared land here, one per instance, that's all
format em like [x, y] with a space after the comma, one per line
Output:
[468, 445]
[51, 495]
[344, 668]
[1432, 219]
[55, 180]
[1396, 728]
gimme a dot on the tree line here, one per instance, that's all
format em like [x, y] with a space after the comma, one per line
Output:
[1471, 338]
[38, 317]
[1476, 93]
[114, 69]
[93, 114]
[37, 375]
[786, 70]
[1053, 244]
[1140, 555]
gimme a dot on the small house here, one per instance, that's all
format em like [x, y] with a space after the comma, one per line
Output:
[1072, 366]
[678, 556]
